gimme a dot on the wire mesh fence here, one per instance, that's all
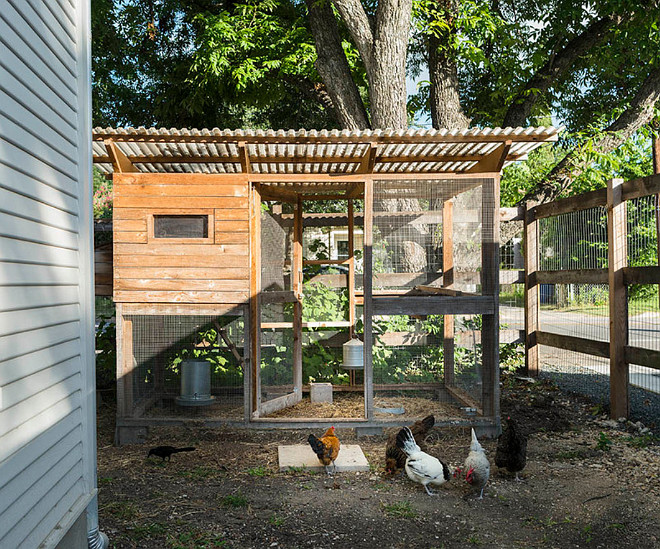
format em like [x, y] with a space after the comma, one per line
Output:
[163, 348]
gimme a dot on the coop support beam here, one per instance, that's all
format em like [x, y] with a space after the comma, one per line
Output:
[493, 161]
[297, 274]
[368, 310]
[448, 282]
[120, 162]
[124, 364]
[531, 292]
[351, 269]
[617, 258]
[247, 366]
[656, 171]
[255, 290]
[368, 160]
[244, 157]
[490, 268]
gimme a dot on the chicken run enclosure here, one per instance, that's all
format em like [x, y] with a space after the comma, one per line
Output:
[251, 268]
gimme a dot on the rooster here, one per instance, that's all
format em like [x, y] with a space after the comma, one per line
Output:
[394, 457]
[326, 448]
[420, 466]
[477, 467]
[512, 448]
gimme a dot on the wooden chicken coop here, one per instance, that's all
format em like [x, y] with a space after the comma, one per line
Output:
[228, 251]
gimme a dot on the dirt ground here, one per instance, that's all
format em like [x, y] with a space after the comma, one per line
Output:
[589, 482]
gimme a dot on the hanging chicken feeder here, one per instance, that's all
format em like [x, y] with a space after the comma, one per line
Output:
[195, 383]
[353, 355]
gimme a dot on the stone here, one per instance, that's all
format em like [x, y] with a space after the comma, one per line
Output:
[350, 459]
[320, 392]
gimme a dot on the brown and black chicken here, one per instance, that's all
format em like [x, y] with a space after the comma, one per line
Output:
[395, 458]
[512, 448]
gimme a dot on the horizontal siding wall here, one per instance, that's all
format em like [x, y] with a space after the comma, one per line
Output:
[45, 365]
[150, 270]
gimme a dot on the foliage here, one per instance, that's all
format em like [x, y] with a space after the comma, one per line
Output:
[106, 357]
[603, 442]
[102, 200]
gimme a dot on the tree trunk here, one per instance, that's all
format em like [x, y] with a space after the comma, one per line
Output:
[446, 110]
[333, 67]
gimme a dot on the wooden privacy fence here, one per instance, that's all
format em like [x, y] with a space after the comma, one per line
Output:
[618, 276]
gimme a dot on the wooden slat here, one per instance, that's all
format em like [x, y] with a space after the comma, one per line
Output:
[186, 285]
[573, 276]
[186, 273]
[643, 357]
[297, 275]
[255, 304]
[490, 266]
[641, 275]
[432, 305]
[573, 204]
[644, 186]
[442, 291]
[232, 238]
[351, 269]
[134, 225]
[124, 237]
[153, 202]
[233, 226]
[180, 297]
[576, 344]
[464, 397]
[617, 257]
[326, 262]
[531, 292]
[278, 297]
[368, 310]
[164, 248]
[219, 309]
[448, 282]
[181, 178]
[155, 189]
[272, 406]
[195, 258]
[120, 162]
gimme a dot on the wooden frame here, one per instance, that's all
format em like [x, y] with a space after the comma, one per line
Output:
[209, 239]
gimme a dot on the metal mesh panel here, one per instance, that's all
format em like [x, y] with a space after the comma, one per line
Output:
[409, 369]
[275, 253]
[576, 240]
[161, 343]
[580, 310]
[276, 351]
[408, 231]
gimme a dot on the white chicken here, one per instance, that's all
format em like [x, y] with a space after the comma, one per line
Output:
[420, 466]
[477, 466]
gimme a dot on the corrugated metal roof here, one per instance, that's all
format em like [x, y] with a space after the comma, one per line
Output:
[311, 151]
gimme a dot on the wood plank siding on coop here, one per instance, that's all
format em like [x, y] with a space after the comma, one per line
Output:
[152, 267]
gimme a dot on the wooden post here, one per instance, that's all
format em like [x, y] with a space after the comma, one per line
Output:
[247, 366]
[617, 259]
[124, 330]
[368, 297]
[656, 170]
[351, 269]
[490, 285]
[531, 295]
[297, 274]
[255, 296]
[448, 282]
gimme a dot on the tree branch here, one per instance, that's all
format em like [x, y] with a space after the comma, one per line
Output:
[639, 113]
[356, 20]
[333, 67]
[522, 105]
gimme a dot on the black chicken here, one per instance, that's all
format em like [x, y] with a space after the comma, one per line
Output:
[165, 452]
[512, 448]
[394, 457]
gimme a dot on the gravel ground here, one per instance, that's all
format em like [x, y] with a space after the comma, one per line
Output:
[644, 405]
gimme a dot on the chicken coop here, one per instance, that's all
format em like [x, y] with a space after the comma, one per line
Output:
[256, 270]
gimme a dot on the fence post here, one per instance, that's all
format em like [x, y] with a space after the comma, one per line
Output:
[617, 255]
[531, 250]
[448, 282]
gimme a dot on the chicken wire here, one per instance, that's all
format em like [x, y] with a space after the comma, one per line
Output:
[162, 342]
[408, 232]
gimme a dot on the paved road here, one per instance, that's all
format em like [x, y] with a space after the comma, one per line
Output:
[644, 331]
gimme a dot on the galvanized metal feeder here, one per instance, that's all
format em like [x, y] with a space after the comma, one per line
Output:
[195, 383]
[353, 355]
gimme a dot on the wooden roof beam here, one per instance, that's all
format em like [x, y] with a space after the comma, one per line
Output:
[368, 160]
[493, 161]
[280, 195]
[120, 162]
[244, 157]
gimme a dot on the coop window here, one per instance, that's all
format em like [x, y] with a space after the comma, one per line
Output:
[181, 226]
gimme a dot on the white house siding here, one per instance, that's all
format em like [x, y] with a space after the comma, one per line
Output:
[47, 446]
